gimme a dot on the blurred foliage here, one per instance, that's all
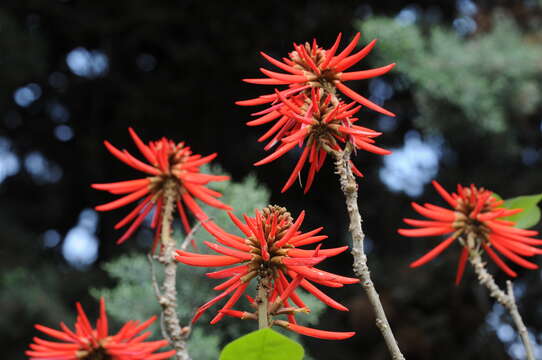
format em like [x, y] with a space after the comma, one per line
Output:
[133, 296]
[483, 84]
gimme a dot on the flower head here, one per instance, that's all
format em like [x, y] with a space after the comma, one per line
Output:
[309, 113]
[310, 66]
[320, 127]
[269, 251]
[475, 220]
[169, 165]
[88, 343]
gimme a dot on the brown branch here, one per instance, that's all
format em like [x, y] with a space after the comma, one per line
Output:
[167, 297]
[506, 299]
[261, 301]
[350, 190]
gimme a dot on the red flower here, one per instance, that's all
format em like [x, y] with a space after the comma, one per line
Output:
[309, 112]
[167, 163]
[311, 66]
[321, 127]
[86, 342]
[474, 211]
[270, 251]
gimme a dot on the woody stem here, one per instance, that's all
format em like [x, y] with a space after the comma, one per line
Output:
[261, 301]
[361, 269]
[168, 297]
[506, 299]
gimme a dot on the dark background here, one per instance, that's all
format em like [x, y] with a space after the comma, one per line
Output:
[173, 68]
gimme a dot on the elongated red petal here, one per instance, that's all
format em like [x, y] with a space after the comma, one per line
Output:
[281, 151]
[320, 334]
[365, 74]
[281, 65]
[501, 264]
[353, 59]
[461, 265]
[208, 260]
[434, 253]
[363, 101]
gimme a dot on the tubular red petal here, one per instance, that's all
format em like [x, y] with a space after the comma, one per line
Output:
[264, 119]
[430, 231]
[434, 253]
[296, 170]
[461, 265]
[292, 79]
[227, 272]
[280, 151]
[282, 121]
[515, 246]
[501, 264]
[322, 296]
[363, 101]
[310, 253]
[198, 162]
[445, 195]
[319, 334]
[229, 252]
[291, 231]
[213, 301]
[281, 65]
[347, 50]
[365, 74]
[144, 212]
[144, 149]
[434, 214]
[133, 213]
[331, 52]
[53, 333]
[371, 148]
[425, 223]
[305, 261]
[231, 302]
[353, 59]
[123, 201]
[265, 82]
[258, 101]
[209, 200]
[208, 260]
[310, 240]
[513, 257]
[129, 185]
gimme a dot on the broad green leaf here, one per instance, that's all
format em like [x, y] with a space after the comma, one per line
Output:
[264, 344]
[530, 216]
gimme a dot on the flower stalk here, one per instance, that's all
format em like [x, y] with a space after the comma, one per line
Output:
[361, 269]
[506, 299]
[263, 305]
[168, 296]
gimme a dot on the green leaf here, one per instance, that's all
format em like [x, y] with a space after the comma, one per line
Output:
[530, 216]
[264, 344]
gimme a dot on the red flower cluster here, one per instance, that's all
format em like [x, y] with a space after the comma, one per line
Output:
[309, 112]
[476, 212]
[167, 163]
[270, 251]
[86, 342]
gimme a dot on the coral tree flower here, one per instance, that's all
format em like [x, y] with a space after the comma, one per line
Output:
[88, 343]
[270, 250]
[475, 214]
[309, 111]
[167, 163]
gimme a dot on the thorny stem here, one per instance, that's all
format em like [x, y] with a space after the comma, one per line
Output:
[168, 297]
[350, 190]
[506, 299]
[261, 301]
